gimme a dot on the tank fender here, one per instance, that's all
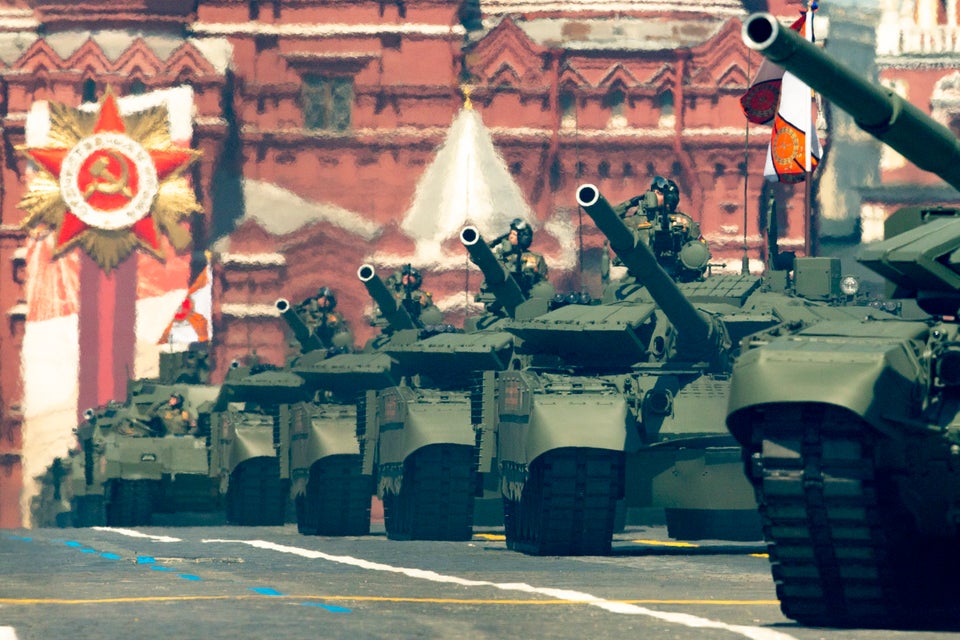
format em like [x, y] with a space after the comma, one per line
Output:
[882, 384]
[429, 424]
[250, 442]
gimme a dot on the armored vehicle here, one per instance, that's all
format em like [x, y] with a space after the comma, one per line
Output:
[418, 437]
[251, 422]
[331, 492]
[147, 454]
[849, 429]
[647, 368]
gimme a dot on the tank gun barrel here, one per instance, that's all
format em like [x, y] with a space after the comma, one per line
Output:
[878, 111]
[307, 339]
[499, 280]
[696, 331]
[396, 315]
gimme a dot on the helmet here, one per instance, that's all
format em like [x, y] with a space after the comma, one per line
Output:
[670, 191]
[325, 292]
[524, 232]
[414, 280]
[177, 399]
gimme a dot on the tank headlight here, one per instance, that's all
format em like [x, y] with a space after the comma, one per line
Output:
[849, 285]
[148, 457]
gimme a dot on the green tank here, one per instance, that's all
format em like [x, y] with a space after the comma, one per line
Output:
[252, 420]
[647, 368]
[331, 491]
[849, 429]
[144, 455]
[418, 439]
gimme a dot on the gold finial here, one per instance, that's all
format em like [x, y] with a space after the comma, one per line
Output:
[467, 90]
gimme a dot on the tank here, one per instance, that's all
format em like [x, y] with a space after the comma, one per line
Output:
[647, 368]
[140, 456]
[849, 428]
[419, 440]
[331, 492]
[252, 417]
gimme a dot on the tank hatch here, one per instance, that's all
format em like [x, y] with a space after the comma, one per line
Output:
[614, 335]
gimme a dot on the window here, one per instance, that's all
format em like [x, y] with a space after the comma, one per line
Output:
[667, 118]
[614, 101]
[327, 102]
[568, 110]
[89, 91]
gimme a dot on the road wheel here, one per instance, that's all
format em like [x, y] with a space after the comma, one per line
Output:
[131, 503]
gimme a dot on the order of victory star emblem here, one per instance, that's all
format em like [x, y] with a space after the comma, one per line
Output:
[110, 183]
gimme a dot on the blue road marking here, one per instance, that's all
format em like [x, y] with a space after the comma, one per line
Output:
[265, 591]
[73, 543]
[187, 576]
[20, 538]
[88, 550]
[145, 560]
[110, 556]
[328, 607]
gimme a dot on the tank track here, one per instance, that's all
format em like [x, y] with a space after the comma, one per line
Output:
[436, 497]
[568, 504]
[256, 495]
[843, 550]
[337, 499]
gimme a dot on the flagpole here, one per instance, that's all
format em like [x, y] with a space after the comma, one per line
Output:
[809, 242]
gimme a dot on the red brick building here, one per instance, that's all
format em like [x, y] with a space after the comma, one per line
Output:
[317, 121]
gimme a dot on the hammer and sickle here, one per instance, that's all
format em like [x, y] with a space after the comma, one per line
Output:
[106, 181]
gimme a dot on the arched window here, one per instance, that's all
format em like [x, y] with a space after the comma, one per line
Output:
[665, 104]
[137, 87]
[568, 109]
[89, 91]
[615, 101]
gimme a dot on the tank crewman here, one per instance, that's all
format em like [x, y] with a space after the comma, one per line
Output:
[321, 317]
[405, 285]
[513, 250]
[673, 236]
[175, 417]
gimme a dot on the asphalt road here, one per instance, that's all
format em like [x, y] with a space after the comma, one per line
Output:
[223, 581]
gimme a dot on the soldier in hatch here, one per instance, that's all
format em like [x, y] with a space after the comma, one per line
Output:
[175, 418]
[324, 321]
[405, 285]
[673, 236]
[513, 250]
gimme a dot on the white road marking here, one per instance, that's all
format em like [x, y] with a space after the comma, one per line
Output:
[8, 633]
[754, 633]
[136, 534]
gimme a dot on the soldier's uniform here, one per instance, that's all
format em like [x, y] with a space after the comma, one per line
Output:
[528, 267]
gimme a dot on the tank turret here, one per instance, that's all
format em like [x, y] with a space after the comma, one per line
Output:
[398, 318]
[307, 339]
[700, 337]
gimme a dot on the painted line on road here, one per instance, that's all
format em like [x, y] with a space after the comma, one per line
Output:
[8, 633]
[137, 534]
[754, 633]
[395, 599]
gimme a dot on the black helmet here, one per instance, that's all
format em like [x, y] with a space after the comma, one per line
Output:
[325, 292]
[669, 189]
[415, 279]
[524, 232]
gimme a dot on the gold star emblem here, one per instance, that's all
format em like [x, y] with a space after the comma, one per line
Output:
[109, 183]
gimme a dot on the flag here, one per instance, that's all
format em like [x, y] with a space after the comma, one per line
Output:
[779, 98]
[192, 322]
